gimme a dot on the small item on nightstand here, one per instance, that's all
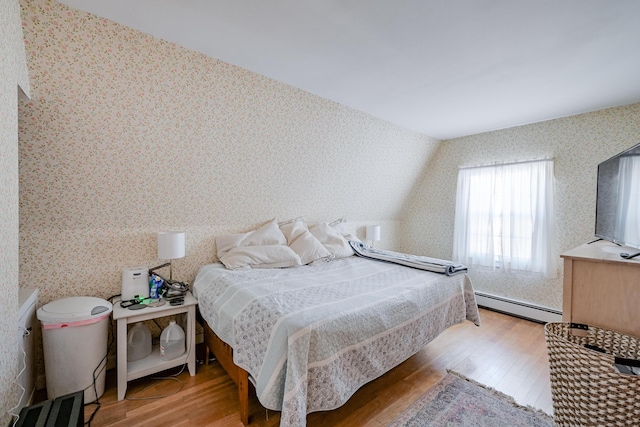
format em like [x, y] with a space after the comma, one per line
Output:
[177, 299]
[158, 303]
[135, 283]
[175, 292]
[128, 303]
[133, 304]
[173, 287]
[155, 285]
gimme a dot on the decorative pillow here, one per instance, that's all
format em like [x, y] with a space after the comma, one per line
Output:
[265, 256]
[344, 229]
[332, 240]
[268, 234]
[303, 243]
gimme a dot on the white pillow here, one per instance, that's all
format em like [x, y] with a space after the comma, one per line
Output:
[303, 243]
[332, 240]
[343, 227]
[268, 234]
[265, 256]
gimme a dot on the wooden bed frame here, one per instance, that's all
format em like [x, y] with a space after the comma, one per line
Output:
[224, 353]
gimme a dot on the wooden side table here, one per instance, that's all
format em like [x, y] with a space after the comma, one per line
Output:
[153, 363]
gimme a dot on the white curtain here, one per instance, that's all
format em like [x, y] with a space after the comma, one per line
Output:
[505, 218]
[627, 227]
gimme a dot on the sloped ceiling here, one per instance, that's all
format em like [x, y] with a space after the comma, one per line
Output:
[445, 68]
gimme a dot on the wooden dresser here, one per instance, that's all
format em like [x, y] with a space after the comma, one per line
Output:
[601, 288]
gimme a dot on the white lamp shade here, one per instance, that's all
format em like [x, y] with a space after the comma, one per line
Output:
[170, 244]
[373, 233]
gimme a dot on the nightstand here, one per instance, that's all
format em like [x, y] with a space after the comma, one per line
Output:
[153, 363]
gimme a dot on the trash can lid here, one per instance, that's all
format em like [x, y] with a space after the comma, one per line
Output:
[74, 309]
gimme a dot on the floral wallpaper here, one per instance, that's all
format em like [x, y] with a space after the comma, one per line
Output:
[13, 74]
[127, 135]
[577, 144]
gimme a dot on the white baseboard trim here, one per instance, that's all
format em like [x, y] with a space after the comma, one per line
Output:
[518, 308]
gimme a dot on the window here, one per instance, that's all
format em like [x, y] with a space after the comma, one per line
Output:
[505, 217]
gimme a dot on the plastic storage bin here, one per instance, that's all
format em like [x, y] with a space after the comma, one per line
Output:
[74, 337]
[586, 388]
[138, 342]
[172, 341]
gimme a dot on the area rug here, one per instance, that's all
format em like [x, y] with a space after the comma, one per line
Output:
[457, 401]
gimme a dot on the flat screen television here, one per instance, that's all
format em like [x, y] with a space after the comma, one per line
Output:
[618, 199]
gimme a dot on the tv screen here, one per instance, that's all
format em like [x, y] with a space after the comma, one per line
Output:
[618, 198]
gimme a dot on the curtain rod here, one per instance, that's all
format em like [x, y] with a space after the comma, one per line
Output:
[518, 162]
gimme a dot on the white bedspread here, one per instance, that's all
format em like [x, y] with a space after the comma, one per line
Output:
[311, 336]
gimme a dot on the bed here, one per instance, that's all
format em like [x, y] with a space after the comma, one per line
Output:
[308, 337]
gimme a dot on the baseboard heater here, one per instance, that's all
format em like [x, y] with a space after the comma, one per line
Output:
[64, 411]
[518, 308]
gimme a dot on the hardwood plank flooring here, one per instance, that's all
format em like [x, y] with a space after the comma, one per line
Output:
[505, 353]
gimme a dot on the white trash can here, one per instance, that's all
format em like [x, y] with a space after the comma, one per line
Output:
[74, 338]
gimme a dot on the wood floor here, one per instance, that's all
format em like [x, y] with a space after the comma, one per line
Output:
[506, 353]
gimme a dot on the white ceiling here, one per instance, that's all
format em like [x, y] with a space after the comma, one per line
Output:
[445, 68]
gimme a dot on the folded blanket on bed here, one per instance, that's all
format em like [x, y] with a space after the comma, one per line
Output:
[421, 262]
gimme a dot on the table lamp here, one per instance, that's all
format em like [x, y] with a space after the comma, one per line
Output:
[373, 233]
[171, 246]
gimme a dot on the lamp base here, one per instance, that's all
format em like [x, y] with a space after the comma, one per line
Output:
[153, 270]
